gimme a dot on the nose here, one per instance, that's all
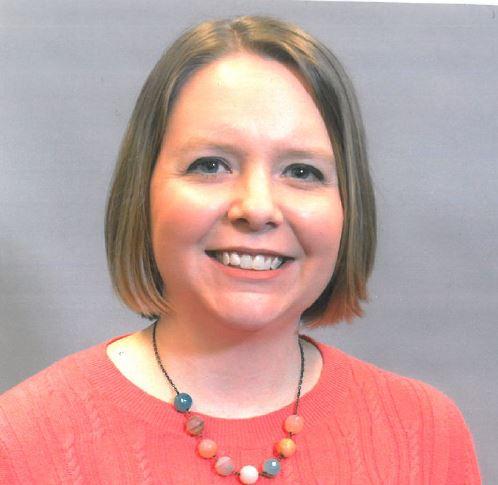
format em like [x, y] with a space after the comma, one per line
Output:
[254, 201]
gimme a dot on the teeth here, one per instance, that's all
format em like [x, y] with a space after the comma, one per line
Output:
[246, 261]
[234, 259]
[259, 262]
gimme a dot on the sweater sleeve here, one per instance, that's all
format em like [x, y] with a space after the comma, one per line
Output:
[6, 474]
[463, 467]
[6, 466]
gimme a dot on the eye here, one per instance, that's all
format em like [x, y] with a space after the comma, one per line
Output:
[302, 172]
[207, 166]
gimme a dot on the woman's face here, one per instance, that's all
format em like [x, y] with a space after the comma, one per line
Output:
[246, 162]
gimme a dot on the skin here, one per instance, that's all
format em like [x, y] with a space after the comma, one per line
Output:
[231, 340]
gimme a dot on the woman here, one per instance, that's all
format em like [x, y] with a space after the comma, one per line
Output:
[241, 209]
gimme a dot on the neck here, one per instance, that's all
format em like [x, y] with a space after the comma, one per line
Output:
[222, 368]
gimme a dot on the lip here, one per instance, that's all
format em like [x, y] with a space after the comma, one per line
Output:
[251, 274]
[252, 251]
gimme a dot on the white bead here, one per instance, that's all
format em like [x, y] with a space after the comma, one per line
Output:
[249, 474]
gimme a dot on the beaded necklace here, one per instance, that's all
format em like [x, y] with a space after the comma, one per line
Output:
[207, 448]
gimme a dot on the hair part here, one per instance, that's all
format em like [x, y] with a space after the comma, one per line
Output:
[133, 270]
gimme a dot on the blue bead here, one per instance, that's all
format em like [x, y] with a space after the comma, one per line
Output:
[183, 402]
[271, 467]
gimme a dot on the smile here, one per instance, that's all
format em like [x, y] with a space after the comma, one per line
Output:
[258, 262]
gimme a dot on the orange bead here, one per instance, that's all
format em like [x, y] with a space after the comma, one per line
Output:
[286, 447]
[294, 424]
[207, 448]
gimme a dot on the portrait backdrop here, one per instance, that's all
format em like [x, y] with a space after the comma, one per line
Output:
[426, 78]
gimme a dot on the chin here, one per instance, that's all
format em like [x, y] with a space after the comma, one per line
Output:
[251, 320]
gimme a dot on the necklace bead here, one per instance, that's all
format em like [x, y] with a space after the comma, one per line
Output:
[286, 447]
[183, 402]
[248, 474]
[194, 426]
[294, 424]
[271, 467]
[207, 448]
[224, 466]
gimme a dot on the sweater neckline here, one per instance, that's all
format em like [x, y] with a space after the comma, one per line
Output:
[318, 403]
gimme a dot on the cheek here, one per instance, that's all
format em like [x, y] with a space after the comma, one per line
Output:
[178, 215]
[321, 224]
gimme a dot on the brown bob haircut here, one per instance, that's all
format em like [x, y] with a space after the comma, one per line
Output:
[134, 274]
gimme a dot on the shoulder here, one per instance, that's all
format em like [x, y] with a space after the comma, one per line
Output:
[408, 393]
[409, 402]
[45, 418]
[37, 402]
[427, 417]
[47, 380]
[416, 425]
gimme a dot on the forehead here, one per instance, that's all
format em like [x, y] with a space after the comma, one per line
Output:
[249, 94]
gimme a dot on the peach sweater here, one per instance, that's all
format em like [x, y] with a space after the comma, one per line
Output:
[80, 421]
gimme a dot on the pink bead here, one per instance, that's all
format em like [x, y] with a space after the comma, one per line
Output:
[194, 425]
[207, 448]
[224, 466]
[249, 474]
[294, 424]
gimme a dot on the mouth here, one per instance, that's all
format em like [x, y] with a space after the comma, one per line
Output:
[246, 262]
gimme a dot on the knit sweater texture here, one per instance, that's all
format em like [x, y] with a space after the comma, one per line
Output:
[80, 421]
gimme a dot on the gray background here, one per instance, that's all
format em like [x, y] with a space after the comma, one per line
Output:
[427, 78]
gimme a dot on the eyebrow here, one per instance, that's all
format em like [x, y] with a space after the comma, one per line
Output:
[199, 143]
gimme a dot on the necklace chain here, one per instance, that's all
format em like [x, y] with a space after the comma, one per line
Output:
[158, 359]
[207, 448]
